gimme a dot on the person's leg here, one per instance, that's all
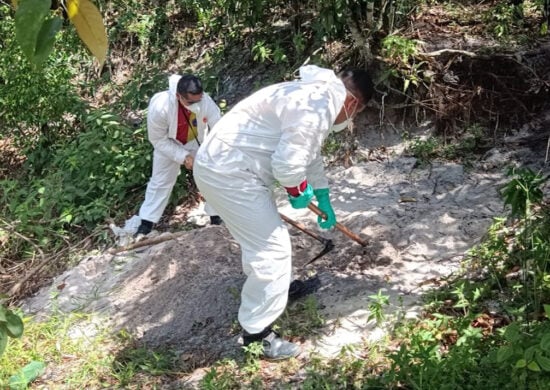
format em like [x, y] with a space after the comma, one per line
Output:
[251, 216]
[164, 176]
[213, 214]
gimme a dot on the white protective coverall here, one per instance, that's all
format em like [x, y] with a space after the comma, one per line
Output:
[274, 135]
[169, 153]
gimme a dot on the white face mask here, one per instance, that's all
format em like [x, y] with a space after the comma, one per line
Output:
[339, 126]
[195, 107]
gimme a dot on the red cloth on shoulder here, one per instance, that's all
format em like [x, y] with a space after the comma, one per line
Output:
[185, 132]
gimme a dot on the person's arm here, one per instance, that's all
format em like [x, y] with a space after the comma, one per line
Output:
[319, 182]
[303, 126]
[298, 163]
[158, 124]
[316, 172]
[213, 113]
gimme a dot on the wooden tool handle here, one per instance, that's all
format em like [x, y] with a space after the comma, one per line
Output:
[338, 225]
[301, 227]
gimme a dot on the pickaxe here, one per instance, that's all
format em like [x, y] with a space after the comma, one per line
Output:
[325, 241]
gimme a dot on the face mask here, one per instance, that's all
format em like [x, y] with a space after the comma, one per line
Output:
[340, 126]
[337, 127]
[195, 107]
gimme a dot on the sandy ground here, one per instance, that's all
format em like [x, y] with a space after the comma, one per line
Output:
[419, 222]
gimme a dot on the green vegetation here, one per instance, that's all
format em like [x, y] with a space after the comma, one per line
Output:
[464, 147]
[11, 325]
[77, 162]
[88, 352]
[38, 22]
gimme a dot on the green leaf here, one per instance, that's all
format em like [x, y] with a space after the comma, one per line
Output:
[46, 39]
[3, 340]
[547, 310]
[14, 326]
[521, 363]
[533, 366]
[30, 372]
[406, 85]
[545, 342]
[3, 312]
[504, 353]
[511, 333]
[543, 362]
[29, 19]
[530, 352]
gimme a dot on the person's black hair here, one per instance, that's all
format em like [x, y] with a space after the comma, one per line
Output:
[189, 84]
[358, 80]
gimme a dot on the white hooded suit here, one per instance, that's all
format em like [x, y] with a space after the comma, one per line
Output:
[169, 153]
[273, 136]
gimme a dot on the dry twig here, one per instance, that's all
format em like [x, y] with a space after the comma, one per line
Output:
[146, 242]
[15, 289]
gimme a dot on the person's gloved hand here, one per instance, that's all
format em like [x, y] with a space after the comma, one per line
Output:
[300, 197]
[322, 195]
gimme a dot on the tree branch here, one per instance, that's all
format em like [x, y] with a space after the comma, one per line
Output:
[146, 242]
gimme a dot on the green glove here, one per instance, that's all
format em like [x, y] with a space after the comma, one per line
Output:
[324, 204]
[303, 200]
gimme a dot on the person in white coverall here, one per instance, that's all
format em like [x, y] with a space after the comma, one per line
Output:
[177, 122]
[275, 135]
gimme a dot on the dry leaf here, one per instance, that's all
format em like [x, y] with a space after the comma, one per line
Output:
[89, 25]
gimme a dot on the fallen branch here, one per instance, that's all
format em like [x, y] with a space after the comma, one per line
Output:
[547, 149]
[146, 242]
[452, 51]
[43, 259]
[15, 289]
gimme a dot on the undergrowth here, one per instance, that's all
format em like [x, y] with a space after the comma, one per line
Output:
[82, 164]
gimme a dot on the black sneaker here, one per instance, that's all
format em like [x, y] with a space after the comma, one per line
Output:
[215, 220]
[301, 288]
[145, 227]
[275, 347]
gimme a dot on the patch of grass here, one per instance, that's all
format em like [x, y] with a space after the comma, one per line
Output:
[331, 146]
[72, 342]
[138, 365]
[222, 376]
[463, 147]
[424, 149]
[353, 368]
[80, 351]
[301, 318]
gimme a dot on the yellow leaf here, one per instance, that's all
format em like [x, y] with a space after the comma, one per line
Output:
[89, 25]
[72, 8]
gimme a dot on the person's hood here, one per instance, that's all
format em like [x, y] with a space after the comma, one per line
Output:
[314, 73]
[309, 73]
[173, 86]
